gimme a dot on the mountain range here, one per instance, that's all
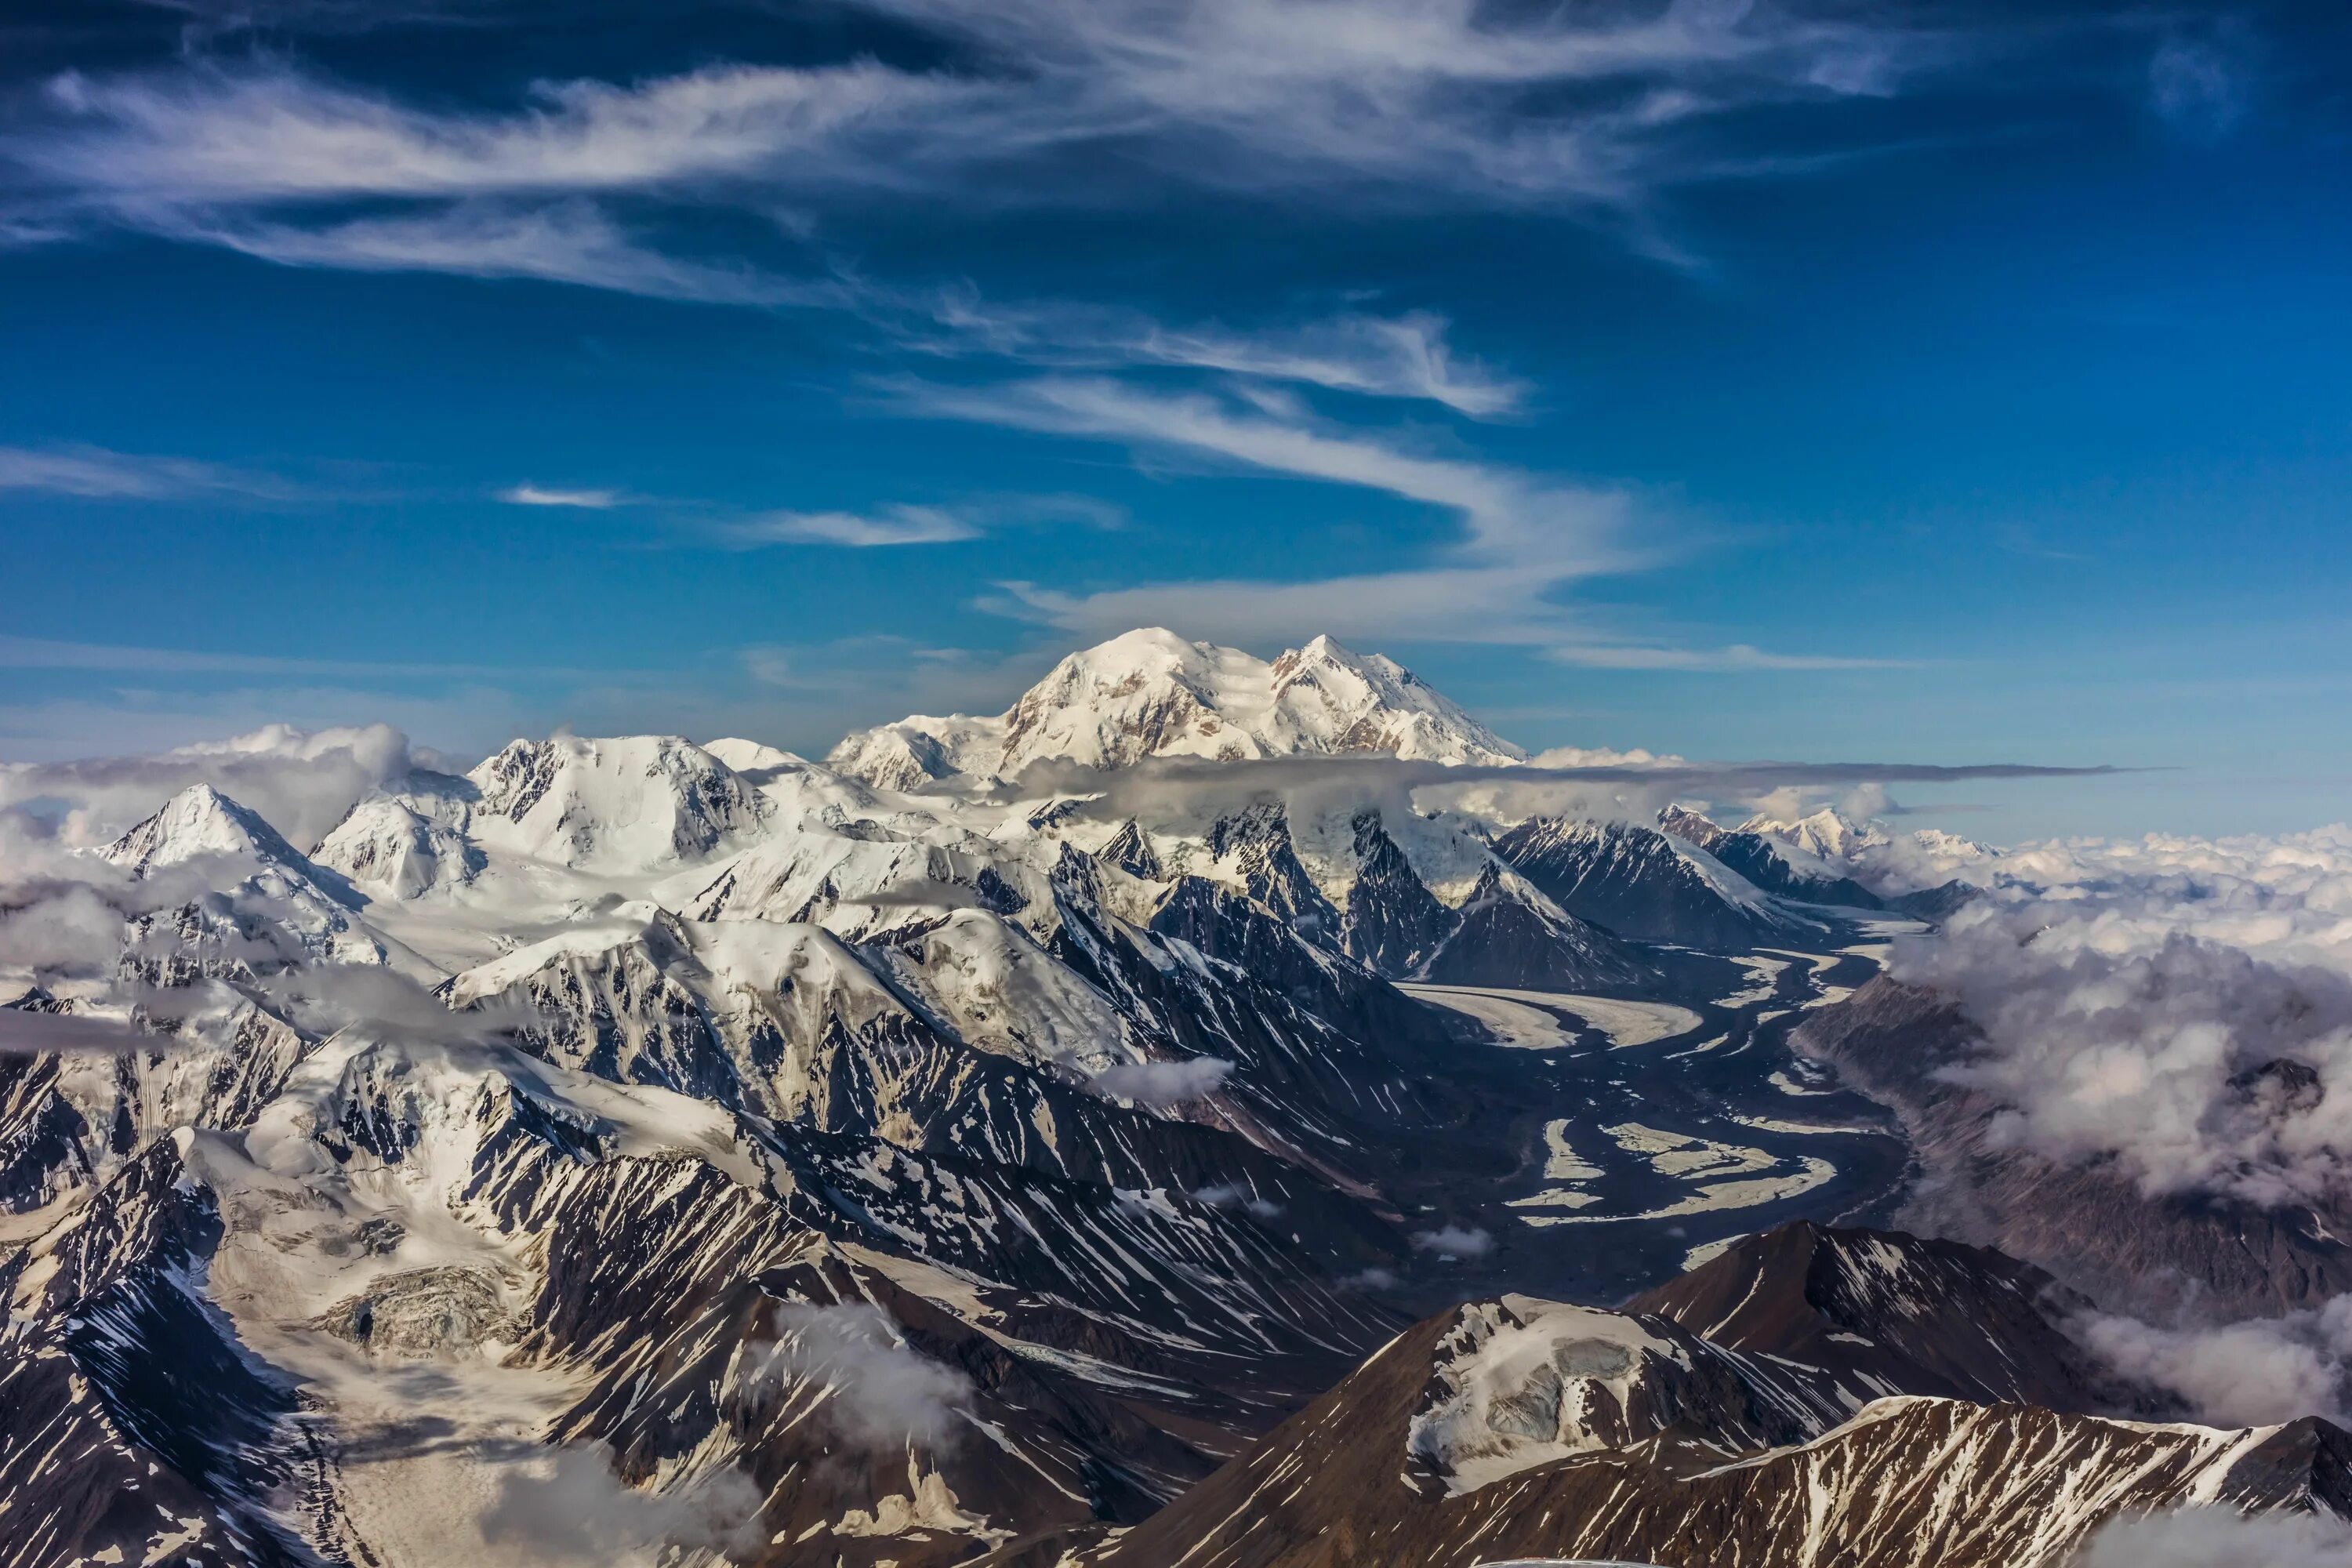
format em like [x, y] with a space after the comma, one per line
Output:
[1061, 1137]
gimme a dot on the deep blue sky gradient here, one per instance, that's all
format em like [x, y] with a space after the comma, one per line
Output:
[2029, 394]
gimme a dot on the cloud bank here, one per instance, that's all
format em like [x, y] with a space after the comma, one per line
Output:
[2181, 1005]
[2255, 1373]
[302, 782]
[1447, 103]
[2220, 1538]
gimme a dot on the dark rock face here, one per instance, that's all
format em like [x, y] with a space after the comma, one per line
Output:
[1753, 856]
[1394, 924]
[1258, 841]
[1504, 941]
[2088, 1223]
[1927, 1317]
[172, 1435]
[1936, 903]
[43, 1149]
[1629, 879]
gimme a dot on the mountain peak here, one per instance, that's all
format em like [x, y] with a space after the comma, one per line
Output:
[1150, 693]
[632, 800]
[198, 822]
[1827, 833]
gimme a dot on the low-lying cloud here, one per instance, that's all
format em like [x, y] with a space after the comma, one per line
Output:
[327, 997]
[1233, 1194]
[302, 782]
[1624, 786]
[2183, 1006]
[579, 1514]
[1162, 1083]
[1454, 1241]
[881, 1392]
[2219, 1537]
[2256, 1372]
[28, 1033]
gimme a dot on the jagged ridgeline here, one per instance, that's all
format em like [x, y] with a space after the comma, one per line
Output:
[993, 1144]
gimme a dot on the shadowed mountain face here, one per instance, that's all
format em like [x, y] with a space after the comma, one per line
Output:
[1772, 1408]
[1932, 1318]
[1645, 884]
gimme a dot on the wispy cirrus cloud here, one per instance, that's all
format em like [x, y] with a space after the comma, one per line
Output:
[1506, 511]
[1525, 538]
[1404, 356]
[569, 241]
[1437, 103]
[210, 133]
[527, 494]
[2201, 84]
[45, 653]
[1739, 656]
[891, 525]
[98, 474]
[1447, 99]
[905, 523]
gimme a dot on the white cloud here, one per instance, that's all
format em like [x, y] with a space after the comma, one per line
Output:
[2182, 1005]
[1504, 509]
[2252, 1374]
[1404, 356]
[570, 1509]
[881, 1391]
[560, 242]
[1522, 537]
[1447, 100]
[892, 525]
[529, 494]
[2200, 87]
[1432, 103]
[377, 1000]
[302, 782]
[1739, 656]
[39, 1033]
[2219, 1537]
[206, 134]
[1454, 1241]
[1163, 1083]
[47, 653]
[98, 474]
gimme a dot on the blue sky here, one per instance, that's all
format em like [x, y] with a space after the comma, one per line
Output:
[1934, 383]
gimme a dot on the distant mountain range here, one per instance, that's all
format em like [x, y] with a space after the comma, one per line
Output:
[979, 1147]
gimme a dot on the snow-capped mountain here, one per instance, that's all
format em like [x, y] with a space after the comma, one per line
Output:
[790, 1164]
[1826, 835]
[1150, 693]
[619, 805]
[1828, 858]
[1646, 885]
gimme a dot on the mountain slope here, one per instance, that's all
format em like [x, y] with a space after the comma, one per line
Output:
[1926, 1317]
[1520, 1428]
[1641, 884]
